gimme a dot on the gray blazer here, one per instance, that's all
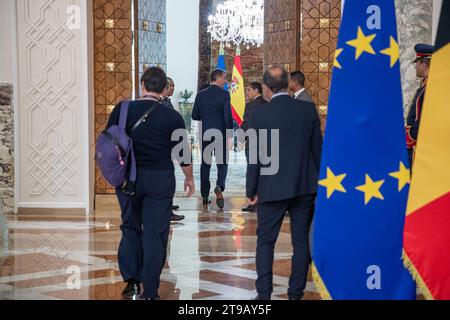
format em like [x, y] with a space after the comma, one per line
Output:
[304, 96]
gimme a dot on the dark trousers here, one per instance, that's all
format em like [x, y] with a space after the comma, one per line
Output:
[270, 219]
[145, 229]
[205, 170]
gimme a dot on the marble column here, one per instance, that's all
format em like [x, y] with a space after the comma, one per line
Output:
[414, 20]
[6, 149]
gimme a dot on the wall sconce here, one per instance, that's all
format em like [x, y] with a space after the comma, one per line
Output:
[324, 22]
[270, 26]
[145, 25]
[287, 67]
[110, 66]
[159, 27]
[109, 23]
[145, 66]
[323, 66]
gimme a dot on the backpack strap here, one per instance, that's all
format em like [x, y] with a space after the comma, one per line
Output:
[124, 106]
[144, 117]
[133, 167]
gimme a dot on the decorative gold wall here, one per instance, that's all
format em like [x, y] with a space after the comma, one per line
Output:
[318, 32]
[302, 35]
[280, 33]
[113, 64]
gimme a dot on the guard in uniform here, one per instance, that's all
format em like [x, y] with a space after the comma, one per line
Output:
[422, 61]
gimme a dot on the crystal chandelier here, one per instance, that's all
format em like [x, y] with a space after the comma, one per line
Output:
[238, 22]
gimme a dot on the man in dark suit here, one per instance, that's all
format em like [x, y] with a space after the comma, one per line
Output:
[293, 188]
[169, 93]
[256, 100]
[212, 107]
[297, 86]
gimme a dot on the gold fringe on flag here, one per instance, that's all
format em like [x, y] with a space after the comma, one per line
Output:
[416, 276]
[323, 291]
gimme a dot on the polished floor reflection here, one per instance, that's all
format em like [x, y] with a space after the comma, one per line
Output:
[211, 255]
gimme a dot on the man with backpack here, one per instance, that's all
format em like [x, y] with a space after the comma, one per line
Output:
[147, 204]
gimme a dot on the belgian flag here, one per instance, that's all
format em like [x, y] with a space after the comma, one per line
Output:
[427, 224]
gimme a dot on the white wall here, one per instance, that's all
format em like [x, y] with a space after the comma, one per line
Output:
[53, 113]
[6, 33]
[182, 44]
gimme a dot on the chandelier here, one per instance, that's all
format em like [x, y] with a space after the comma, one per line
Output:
[238, 22]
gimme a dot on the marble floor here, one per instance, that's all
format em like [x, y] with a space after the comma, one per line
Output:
[211, 255]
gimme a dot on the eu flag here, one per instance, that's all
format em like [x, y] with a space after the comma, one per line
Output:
[364, 180]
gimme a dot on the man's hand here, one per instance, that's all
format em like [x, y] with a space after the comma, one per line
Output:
[230, 143]
[189, 187]
[253, 202]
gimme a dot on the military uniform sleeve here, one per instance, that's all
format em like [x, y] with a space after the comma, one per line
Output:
[414, 131]
[413, 122]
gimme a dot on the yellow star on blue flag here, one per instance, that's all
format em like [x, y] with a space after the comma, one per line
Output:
[364, 182]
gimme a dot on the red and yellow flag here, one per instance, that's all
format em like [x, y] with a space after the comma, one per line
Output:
[427, 225]
[237, 89]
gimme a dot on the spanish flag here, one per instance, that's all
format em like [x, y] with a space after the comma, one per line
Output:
[427, 225]
[237, 90]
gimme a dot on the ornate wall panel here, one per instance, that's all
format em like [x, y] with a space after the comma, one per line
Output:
[53, 106]
[204, 62]
[280, 30]
[319, 29]
[152, 34]
[113, 64]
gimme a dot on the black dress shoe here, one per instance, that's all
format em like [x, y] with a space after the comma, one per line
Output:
[259, 298]
[219, 197]
[249, 208]
[154, 298]
[176, 217]
[133, 288]
[175, 208]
